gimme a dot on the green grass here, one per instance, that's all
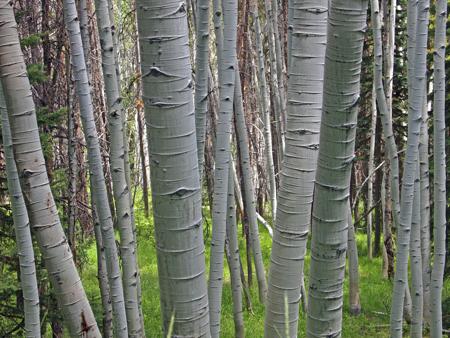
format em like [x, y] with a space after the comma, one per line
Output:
[375, 292]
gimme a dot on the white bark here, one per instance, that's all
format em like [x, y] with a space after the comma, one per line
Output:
[425, 208]
[305, 92]
[121, 189]
[226, 56]
[41, 207]
[264, 99]
[345, 34]
[416, 83]
[201, 79]
[416, 262]
[248, 189]
[371, 164]
[169, 114]
[234, 260]
[439, 191]
[95, 168]
[353, 267]
[24, 243]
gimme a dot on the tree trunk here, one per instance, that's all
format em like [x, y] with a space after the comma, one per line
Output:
[416, 262]
[102, 275]
[24, 242]
[292, 225]
[121, 188]
[140, 132]
[37, 194]
[425, 208]
[95, 167]
[169, 114]
[353, 267]
[388, 252]
[416, 84]
[201, 79]
[232, 246]
[264, 100]
[249, 193]
[345, 34]
[439, 191]
[226, 56]
[371, 166]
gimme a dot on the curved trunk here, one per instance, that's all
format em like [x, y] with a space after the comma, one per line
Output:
[38, 196]
[439, 191]
[169, 114]
[24, 242]
[305, 84]
[345, 34]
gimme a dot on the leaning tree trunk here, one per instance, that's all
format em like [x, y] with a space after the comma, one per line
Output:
[416, 85]
[439, 191]
[346, 27]
[121, 189]
[38, 196]
[226, 54]
[100, 194]
[22, 230]
[304, 110]
[169, 114]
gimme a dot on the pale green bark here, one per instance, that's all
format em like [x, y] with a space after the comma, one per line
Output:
[41, 207]
[121, 189]
[169, 114]
[226, 56]
[22, 230]
[201, 79]
[248, 189]
[345, 34]
[416, 262]
[305, 92]
[439, 191]
[416, 83]
[97, 178]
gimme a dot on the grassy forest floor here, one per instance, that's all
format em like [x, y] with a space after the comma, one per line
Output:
[375, 292]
